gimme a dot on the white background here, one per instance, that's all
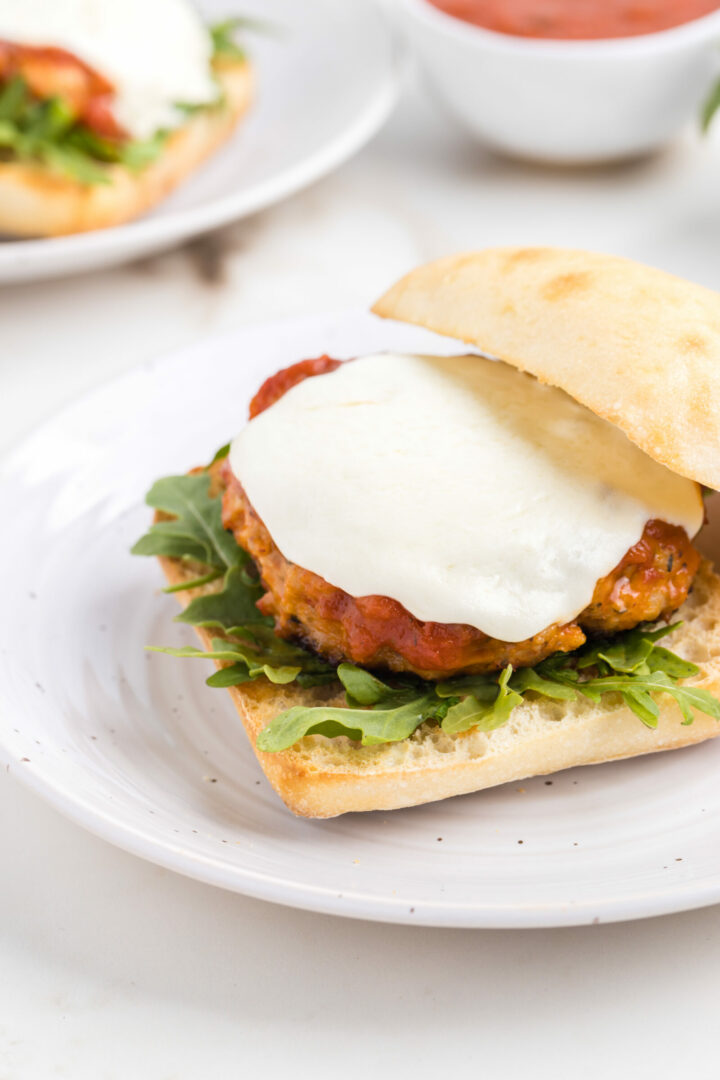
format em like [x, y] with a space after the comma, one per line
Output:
[112, 968]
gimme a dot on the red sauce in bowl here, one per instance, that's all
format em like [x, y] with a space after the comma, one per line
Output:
[576, 19]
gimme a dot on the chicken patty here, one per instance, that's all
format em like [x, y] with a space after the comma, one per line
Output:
[649, 583]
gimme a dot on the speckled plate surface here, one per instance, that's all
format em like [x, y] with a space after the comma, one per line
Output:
[136, 748]
[315, 106]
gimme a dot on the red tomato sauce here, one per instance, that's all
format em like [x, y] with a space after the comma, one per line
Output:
[277, 385]
[576, 19]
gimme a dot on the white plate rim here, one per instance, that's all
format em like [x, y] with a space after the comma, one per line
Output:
[356, 904]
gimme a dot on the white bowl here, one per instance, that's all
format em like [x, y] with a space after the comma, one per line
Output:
[566, 101]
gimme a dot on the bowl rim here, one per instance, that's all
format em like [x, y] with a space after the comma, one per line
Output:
[695, 31]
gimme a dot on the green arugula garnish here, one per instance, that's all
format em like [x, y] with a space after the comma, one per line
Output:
[194, 583]
[710, 107]
[630, 664]
[366, 726]
[472, 712]
[633, 666]
[224, 44]
[134, 154]
[48, 132]
[196, 535]
[253, 651]
[224, 35]
[530, 679]
[196, 526]
[362, 688]
[233, 605]
[247, 661]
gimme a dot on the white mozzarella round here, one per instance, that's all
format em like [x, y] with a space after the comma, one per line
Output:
[459, 486]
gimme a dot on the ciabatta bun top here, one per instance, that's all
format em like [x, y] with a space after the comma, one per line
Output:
[638, 346]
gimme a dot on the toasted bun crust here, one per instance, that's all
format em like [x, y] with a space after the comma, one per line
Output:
[322, 777]
[36, 202]
[639, 347]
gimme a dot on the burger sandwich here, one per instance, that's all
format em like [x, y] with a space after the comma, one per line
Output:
[106, 105]
[421, 576]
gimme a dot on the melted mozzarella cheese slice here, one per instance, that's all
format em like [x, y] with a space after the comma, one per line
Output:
[155, 52]
[459, 486]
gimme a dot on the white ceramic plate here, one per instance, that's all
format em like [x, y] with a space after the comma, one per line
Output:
[135, 747]
[327, 80]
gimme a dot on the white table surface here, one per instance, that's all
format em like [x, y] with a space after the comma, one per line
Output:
[112, 968]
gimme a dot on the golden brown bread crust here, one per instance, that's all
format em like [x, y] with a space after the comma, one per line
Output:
[36, 202]
[639, 347]
[322, 777]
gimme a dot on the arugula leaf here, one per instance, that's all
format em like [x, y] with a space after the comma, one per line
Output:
[362, 688]
[485, 716]
[265, 642]
[628, 653]
[134, 154]
[63, 159]
[221, 454]
[308, 678]
[663, 660]
[232, 605]
[194, 583]
[196, 532]
[528, 679]
[643, 706]
[137, 154]
[223, 35]
[658, 682]
[259, 652]
[14, 97]
[709, 108]
[366, 726]
[162, 542]
[233, 675]
[196, 517]
[222, 649]
[465, 714]
[482, 687]
[49, 132]
[50, 119]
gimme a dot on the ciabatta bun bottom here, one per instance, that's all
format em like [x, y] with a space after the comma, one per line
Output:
[321, 777]
[34, 201]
